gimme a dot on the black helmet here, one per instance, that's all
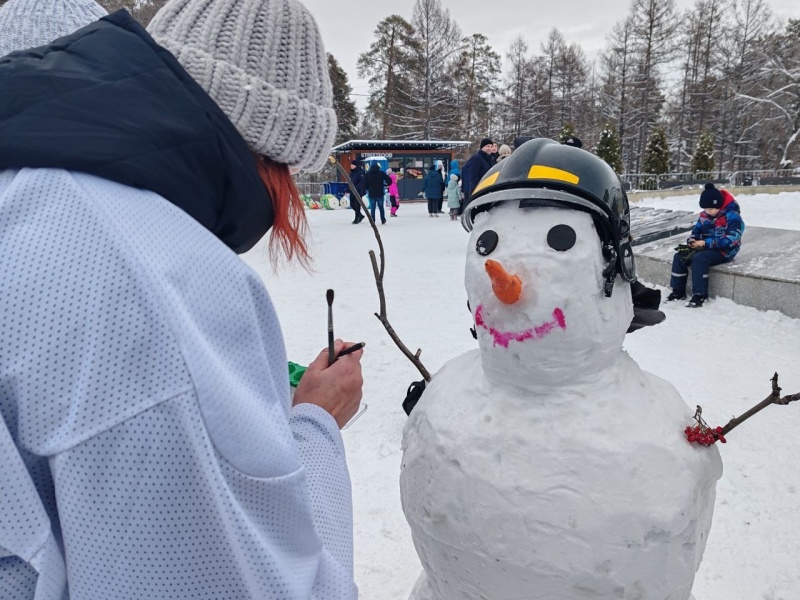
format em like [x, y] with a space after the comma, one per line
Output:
[543, 172]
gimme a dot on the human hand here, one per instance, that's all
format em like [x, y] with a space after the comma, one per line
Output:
[337, 389]
[697, 243]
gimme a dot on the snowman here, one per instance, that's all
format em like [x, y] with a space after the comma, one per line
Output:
[547, 464]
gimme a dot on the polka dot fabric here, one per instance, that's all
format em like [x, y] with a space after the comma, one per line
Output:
[148, 425]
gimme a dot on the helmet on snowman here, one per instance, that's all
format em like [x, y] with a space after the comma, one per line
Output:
[543, 172]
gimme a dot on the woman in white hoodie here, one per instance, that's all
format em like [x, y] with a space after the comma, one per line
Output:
[149, 447]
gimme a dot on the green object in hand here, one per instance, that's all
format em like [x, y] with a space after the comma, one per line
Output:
[296, 373]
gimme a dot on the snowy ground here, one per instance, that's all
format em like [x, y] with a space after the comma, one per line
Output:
[721, 357]
[758, 210]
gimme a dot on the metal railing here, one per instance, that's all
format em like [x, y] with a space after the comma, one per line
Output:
[309, 188]
[765, 177]
[667, 181]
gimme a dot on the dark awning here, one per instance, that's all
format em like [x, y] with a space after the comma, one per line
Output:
[377, 145]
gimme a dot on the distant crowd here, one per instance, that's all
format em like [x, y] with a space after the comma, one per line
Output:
[379, 188]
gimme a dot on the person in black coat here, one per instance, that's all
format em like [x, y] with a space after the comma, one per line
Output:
[357, 177]
[375, 182]
[433, 188]
[474, 170]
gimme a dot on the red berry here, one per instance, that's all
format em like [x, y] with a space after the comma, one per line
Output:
[719, 430]
[722, 439]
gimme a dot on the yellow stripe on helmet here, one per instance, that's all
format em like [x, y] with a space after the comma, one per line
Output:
[542, 172]
[486, 182]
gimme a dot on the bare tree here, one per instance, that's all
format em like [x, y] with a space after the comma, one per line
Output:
[476, 75]
[438, 46]
[654, 27]
[552, 51]
[617, 84]
[774, 89]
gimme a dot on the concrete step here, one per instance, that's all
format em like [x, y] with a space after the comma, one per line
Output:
[765, 274]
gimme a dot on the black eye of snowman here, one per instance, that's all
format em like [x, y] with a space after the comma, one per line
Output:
[487, 242]
[561, 238]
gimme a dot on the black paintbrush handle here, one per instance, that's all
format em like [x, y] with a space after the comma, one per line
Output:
[351, 349]
[331, 355]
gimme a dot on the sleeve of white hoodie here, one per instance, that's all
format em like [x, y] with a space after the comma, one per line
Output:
[145, 363]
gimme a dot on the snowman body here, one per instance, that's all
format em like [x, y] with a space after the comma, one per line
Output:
[547, 464]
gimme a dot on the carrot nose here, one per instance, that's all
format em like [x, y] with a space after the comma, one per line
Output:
[507, 287]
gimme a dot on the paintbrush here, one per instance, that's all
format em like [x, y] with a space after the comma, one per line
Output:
[351, 349]
[331, 355]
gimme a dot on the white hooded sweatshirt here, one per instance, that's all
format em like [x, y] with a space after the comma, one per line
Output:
[148, 447]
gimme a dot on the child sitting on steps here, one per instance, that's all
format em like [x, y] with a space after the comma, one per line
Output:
[716, 239]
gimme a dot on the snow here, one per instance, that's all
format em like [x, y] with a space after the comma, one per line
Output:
[781, 211]
[723, 363]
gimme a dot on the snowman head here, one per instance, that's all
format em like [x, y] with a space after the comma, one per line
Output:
[535, 282]
[550, 240]
[543, 172]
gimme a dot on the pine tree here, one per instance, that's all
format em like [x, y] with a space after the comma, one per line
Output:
[703, 159]
[656, 157]
[342, 103]
[608, 148]
[387, 65]
[567, 131]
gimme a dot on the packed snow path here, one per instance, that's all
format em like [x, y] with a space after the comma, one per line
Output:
[721, 356]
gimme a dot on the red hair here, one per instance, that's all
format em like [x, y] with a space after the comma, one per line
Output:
[290, 225]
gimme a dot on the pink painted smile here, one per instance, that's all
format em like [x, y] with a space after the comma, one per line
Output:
[503, 338]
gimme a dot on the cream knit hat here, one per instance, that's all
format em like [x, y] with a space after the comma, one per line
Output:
[31, 23]
[264, 64]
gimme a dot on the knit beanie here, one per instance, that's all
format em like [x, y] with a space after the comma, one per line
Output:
[264, 64]
[485, 142]
[711, 197]
[32, 23]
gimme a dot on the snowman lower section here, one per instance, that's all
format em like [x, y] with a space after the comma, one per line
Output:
[589, 491]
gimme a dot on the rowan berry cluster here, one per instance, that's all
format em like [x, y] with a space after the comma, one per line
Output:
[704, 435]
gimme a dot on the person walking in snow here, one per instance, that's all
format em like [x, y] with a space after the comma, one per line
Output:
[394, 193]
[474, 169]
[716, 238]
[376, 183]
[433, 189]
[149, 444]
[357, 176]
[453, 196]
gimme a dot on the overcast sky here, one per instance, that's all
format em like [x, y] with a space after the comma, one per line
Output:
[347, 27]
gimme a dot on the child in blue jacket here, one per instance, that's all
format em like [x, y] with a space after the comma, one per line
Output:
[716, 239]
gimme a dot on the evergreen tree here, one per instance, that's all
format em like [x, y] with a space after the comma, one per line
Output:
[608, 148]
[567, 131]
[342, 103]
[656, 156]
[387, 65]
[703, 159]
